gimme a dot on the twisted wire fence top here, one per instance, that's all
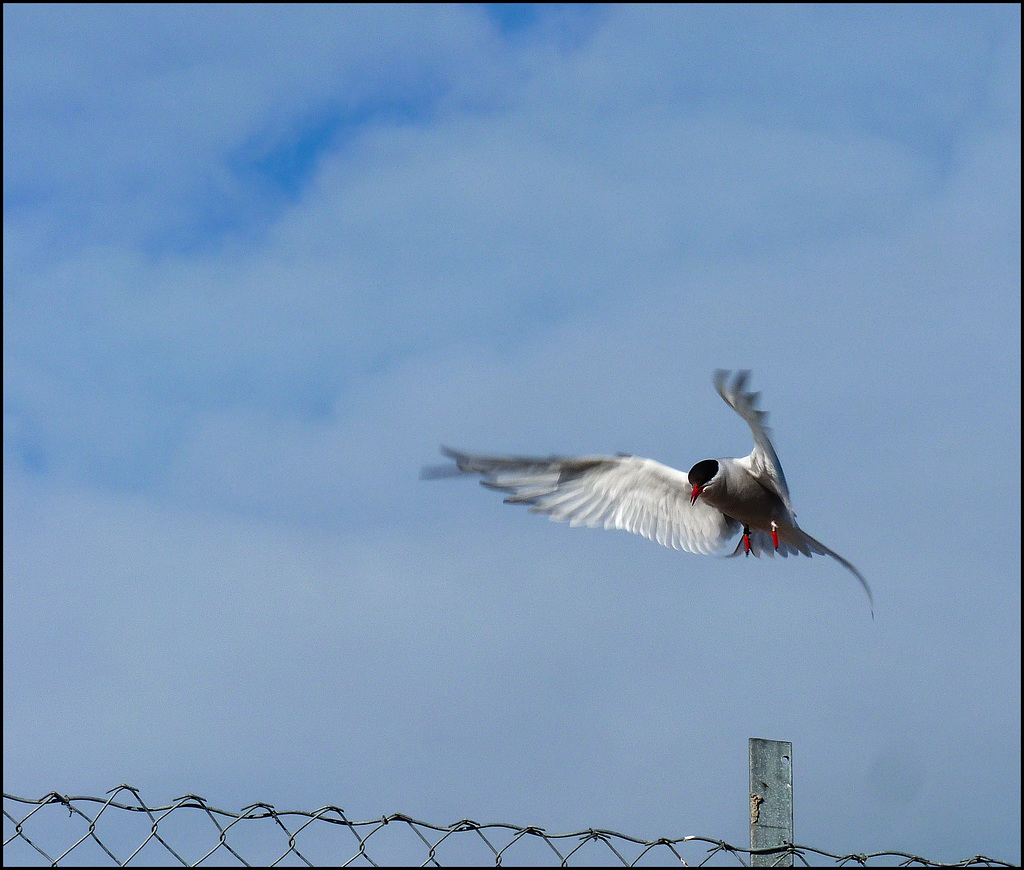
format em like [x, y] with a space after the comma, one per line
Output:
[82, 830]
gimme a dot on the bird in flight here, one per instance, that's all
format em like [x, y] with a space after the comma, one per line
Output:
[700, 511]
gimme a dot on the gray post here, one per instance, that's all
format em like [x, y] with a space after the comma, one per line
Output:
[771, 800]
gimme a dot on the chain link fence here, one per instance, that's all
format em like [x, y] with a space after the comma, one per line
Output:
[121, 829]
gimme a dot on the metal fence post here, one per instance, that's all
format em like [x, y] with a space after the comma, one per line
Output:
[771, 800]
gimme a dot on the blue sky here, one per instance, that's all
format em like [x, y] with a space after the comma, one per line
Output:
[259, 262]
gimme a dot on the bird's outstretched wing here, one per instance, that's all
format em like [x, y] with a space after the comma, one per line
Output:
[617, 492]
[764, 462]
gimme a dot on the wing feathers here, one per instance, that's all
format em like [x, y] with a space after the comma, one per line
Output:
[764, 462]
[799, 542]
[617, 492]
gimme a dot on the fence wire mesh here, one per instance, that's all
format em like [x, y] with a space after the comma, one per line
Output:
[92, 831]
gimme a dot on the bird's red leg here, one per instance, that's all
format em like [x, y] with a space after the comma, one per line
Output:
[775, 536]
[746, 540]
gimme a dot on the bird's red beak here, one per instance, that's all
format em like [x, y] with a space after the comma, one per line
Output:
[697, 490]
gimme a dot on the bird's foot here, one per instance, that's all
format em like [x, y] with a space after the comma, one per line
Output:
[775, 535]
[746, 540]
